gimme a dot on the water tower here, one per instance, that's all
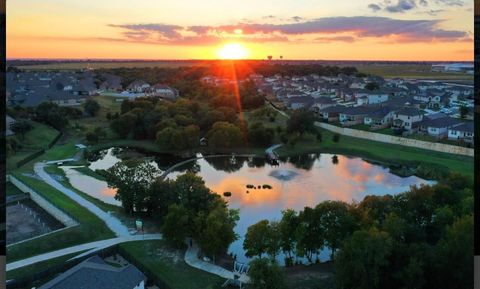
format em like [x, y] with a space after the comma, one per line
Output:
[270, 57]
[281, 57]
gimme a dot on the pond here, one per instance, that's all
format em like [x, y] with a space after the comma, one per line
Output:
[295, 183]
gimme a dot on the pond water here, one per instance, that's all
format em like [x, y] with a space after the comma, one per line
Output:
[295, 183]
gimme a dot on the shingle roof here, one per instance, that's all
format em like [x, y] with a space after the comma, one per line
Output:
[410, 111]
[466, 127]
[441, 122]
[96, 273]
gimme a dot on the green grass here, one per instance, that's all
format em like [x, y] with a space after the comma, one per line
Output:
[382, 152]
[419, 71]
[12, 190]
[88, 172]
[40, 266]
[91, 228]
[176, 274]
[39, 137]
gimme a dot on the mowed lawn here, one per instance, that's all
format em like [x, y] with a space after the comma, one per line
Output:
[169, 266]
[38, 138]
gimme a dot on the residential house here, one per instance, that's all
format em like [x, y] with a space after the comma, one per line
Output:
[138, 86]
[163, 91]
[321, 103]
[439, 127]
[407, 118]
[365, 97]
[380, 118]
[355, 115]
[298, 102]
[96, 273]
[331, 113]
[462, 132]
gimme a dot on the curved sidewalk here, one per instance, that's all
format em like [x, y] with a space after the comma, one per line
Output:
[191, 258]
[112, 223]
[93, 246]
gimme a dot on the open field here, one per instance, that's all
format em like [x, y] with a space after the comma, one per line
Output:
[112, 64]
[418, 71]
[91, 228]
[169, 266]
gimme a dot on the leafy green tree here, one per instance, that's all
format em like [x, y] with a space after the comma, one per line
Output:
[191, 192]
[132, 179]
[266, 274]
[259, 135]
[463, 111]
[256, 239]
[301, 121]
[372, 86]
[274, 239]
[288, 225]
[21, 127]
[336, 222]
[309, 234]
[124, 125]
[363, 261]
[92, 107]
[176, 225]
[51, 114]
[215, 229]
[224, 135]
[455, 250]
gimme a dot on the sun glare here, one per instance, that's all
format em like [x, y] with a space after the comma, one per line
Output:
[233, 51]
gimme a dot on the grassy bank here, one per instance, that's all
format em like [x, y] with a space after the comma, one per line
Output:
[168, 265]
[91, 228]
[381, 152]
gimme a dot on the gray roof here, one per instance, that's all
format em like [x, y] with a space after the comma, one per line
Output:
[360, 110]
[441, 122]
[324, 100]
[466, 126]
[96, 273]
[334, 109]
[410, 111]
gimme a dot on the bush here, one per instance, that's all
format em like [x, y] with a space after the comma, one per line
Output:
[227, 194]
[336, 138]
[319, 137]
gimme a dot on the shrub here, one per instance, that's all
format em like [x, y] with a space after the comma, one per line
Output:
[336, 138]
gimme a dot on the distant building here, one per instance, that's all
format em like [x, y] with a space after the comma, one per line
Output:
[9, 121]
[96, 273]
[453, 67]
[463, 132]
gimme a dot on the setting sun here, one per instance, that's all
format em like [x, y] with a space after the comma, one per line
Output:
[233, 51]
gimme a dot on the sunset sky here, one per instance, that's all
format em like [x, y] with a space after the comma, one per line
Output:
[188, 29]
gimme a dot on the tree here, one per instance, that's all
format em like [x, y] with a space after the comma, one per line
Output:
[336, 138]
[288, 225]
[463, 111]
[266, 274]
[175, 227]
[372, 86]
[191, 192]
[132, 180]
[92, 107]
[455, 250]
[124, 125]
[274, 239]
[91, 137]
[256, 239]
[224, 135]
[21, 127]
[301, 121]
[215, 229]
[309, 234]
[259, 135]
[362, 262]
[336, 222]
[51, 114]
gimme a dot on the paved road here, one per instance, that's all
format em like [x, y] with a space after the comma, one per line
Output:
[191, 258]
[91, 247]
[272, 148]
[112, 223]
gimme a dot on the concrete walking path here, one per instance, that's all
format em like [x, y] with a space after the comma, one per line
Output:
[272, 148]
[91, 247]
[191, 258]
[112, 223]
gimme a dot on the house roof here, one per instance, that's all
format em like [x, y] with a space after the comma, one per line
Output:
[410, 111]
[334, 109]
[466, 127]
[444, 122]
[360, 110]
[96, 273]
[324, 100]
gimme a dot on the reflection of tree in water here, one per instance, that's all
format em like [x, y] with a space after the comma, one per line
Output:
[164, 161]
[256, 162]
[192, 166]
[335, 160]
[93, 156]
[225, 163]
[305, 161]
